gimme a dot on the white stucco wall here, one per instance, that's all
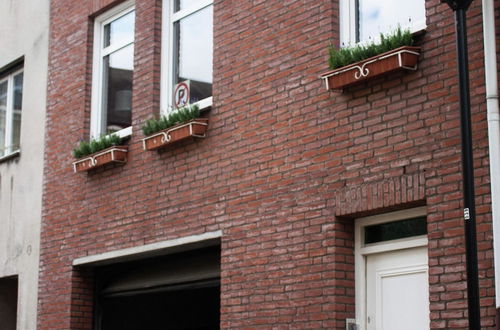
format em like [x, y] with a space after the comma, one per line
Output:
[24, 31]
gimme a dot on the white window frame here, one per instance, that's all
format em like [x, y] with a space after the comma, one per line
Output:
[9, 115]
[97, 66]
[361, 251]
[167, 47]
[348, 23]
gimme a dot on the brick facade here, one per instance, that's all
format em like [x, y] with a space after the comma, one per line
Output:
[284, 170]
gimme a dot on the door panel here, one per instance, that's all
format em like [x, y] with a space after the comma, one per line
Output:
[397, 290]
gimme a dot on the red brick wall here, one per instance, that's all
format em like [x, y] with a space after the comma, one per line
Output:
[282, 166]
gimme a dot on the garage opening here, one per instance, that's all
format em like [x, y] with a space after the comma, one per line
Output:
[178, 291]
[8, 302]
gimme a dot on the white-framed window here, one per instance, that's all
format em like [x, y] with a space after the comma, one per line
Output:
[364, 20]
[112, 74]
[187, 42]
[11, 103]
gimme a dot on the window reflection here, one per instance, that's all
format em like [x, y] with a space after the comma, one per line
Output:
[18, 103]
[183, 4]
[395, 230]
[117, 101]
[3, 115]
[193, 53]
[377, 16]
[120, 31]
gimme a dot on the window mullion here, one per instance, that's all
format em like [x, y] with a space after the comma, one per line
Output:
[111, 49]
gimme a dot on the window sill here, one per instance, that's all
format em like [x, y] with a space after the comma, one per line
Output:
[205, 104]
[10, 156]
[348, 40]
[124, 133]
[419, 32]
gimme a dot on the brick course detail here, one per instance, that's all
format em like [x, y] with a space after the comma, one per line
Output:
[378, 197]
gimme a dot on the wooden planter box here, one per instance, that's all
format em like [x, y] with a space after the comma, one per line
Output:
[196, 128]
[116, 154]
[403, 58]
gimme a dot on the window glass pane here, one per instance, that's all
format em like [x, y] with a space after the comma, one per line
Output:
[18, 91]
[120, 31]
[117, 87]
[395, 230]
[193, 53]
[18, 102]
[183, 4]
[3, 115]
[377, 16]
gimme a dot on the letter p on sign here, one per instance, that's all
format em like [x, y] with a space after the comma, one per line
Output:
[181, 94]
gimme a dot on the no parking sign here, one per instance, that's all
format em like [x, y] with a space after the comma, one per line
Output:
[181, 94]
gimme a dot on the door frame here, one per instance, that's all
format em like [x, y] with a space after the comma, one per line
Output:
[361, 251]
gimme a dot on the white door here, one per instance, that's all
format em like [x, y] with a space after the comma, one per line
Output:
[397, 290]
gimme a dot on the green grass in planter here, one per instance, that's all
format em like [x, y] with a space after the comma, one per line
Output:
[348, 55]
[179, 116]
[89, 147]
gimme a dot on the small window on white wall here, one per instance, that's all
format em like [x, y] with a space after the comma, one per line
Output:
[188, 43]
[113, 69]
[11, 102]
[364, 20]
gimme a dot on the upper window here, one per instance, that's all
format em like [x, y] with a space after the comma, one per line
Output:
[11, 102]
[188, 41]
[364, 20]
[113, 72]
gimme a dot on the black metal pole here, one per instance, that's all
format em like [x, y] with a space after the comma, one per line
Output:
[468, 172]
[460, 8]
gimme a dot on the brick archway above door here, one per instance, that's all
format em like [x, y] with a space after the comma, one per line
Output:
[381, 196]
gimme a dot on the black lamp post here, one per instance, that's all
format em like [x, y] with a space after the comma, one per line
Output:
[460, 8]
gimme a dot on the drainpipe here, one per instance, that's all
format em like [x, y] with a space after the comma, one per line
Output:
[490, 69]
[460, 9]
